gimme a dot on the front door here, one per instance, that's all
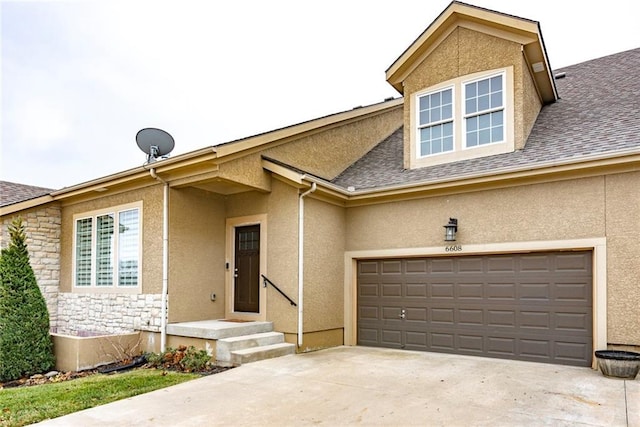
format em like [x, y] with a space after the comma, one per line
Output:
[247, 269]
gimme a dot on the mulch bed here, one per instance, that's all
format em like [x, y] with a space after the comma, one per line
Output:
[168, 364]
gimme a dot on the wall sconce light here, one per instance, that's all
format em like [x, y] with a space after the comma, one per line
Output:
[450, 230]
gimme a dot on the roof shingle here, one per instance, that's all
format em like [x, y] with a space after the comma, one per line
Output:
[11, 192]
[598, 112]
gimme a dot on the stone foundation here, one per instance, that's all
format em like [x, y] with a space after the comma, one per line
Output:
[79, 314]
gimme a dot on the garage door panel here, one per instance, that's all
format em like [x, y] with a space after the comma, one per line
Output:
[439, 291]
[572, 321]
[577, 292]
[501, 346]
[392, 337]
[573, 262]
[443, 315]
[419, 266]
[391, 290]
[540, 320]
[418, 290]
[501, 318]
[470, 343]
[391, 267]
[535, 307]
[368, 312]
[471, 317]
[501, 264]
[368, 268]
[530, 292]
[441, 265]
[470, 291]
[501, 291]
[368, 290]
[442, 341]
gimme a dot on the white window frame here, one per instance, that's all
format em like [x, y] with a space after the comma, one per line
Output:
[437, 122]
[114, 287]
[460, 151]
[466, 115]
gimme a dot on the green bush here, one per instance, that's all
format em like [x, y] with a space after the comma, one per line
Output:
[183, 358]
[25, 344]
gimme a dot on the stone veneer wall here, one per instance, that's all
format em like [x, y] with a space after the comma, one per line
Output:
[42, 227]
[80, 314]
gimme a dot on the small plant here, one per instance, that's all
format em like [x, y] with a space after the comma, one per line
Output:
[186, 359]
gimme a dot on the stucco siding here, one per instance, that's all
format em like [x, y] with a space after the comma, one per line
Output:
[530, 106]
[325, 230]
[196, 255]
[282, 257]
[328, 153]
[559, 210]
[623, 257]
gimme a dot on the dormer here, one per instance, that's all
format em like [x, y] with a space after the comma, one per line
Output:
[473, 84]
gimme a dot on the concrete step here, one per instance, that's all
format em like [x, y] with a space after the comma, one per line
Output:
[225, 346]
[217, 329]
[248, 355]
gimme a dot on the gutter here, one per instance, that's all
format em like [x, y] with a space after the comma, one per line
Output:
[301, 260]
[165, 260]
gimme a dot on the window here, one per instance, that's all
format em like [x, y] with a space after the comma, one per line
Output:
[463, 118]
[107, 248]
[436, 122]
[484, 115]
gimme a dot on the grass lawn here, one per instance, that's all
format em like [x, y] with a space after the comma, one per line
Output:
[26, 405]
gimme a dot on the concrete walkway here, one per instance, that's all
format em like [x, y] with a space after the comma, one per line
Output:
[368, 386]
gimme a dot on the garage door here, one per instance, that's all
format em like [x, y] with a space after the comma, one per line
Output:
[534, 306]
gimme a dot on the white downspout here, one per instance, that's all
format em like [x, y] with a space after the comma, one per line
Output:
[165, 261]
[301, 259]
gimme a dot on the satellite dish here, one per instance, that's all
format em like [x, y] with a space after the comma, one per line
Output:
[154, 143]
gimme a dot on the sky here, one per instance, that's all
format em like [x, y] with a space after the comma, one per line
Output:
[79, 78]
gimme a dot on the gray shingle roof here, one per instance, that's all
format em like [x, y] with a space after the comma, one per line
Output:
[11, 193]
[598, 112]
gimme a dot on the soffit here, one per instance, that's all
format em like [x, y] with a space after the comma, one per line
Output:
[519, 30]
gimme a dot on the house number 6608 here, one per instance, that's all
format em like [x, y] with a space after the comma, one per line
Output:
[453, 248]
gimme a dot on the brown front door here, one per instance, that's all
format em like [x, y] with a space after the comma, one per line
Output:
[247, 269]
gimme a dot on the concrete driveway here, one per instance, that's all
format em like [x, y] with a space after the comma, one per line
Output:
[369, 386]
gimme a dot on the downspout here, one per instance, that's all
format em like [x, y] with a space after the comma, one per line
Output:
[301, 259]
[165, 260]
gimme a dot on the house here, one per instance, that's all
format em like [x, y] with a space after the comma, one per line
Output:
[533, 173]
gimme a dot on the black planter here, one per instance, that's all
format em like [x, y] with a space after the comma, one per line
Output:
[618, 364]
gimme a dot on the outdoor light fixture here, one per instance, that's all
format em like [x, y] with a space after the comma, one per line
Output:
[450, 230]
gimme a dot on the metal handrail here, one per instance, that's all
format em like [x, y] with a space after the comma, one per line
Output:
[266, 280]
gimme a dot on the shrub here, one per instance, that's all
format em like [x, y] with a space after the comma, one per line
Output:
[187, 359]
[25, 344]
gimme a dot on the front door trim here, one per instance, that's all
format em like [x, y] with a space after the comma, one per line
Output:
[598, 245]
[231, 225]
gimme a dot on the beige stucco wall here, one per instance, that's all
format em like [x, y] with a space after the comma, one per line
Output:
[325, 230]
[623, 257]
[465, 52]
[530, 105]
[151, 198]
[328, 153]
[196, 255]
[573, 209]
[282, 256]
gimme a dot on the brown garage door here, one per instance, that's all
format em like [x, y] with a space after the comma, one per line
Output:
[534, 306]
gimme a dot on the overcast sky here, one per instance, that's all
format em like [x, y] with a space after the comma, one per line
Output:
[80, 78]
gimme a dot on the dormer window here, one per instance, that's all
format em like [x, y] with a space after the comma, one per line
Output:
[436, 122]
[484, 111]
[467, 117]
